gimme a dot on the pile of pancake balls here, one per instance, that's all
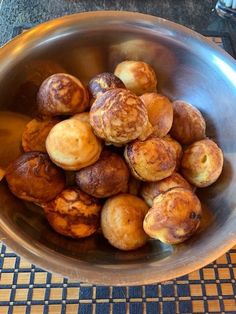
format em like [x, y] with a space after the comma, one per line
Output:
[115, 157]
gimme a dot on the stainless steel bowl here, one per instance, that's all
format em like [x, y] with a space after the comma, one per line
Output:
[188, 67]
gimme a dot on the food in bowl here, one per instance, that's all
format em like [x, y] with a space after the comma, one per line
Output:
[188, 125]
[139, 77]
[73, 213]
[103, 82]
[118, 116]
[122, 221]
[35, 134]
[62, 94]
[131, 189]
[108, 176]
[72, 145]
[160, 113]
[150, 190]
[150, 160]
[34, 177]
[202, 163]
[174, 216]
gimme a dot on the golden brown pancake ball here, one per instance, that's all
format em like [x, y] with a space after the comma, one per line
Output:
[103, 82]
[33, 177]
[62, 94]
[202, 163]
[177, 148]
[174, 216]
[150, 190]
[35, 134]
[118, 116]
[73, 213]
[138, 76]
[83, 116]
[160, 112]
[72, 145]
[108, 176]
[122, 221]
[188, 124]
[150, 160]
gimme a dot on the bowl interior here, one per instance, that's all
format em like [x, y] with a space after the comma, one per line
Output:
[187, 68]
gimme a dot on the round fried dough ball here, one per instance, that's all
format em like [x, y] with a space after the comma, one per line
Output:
[202, 163]
[62, 94]
[160, 112]
[118, 116]
[35, 134]
[33, 177]
[174, 216]
[103, 82]
[122, 221]
[150, 190]
[150, 160]
[2, 174]
[188, 123]
[108, 176]
[138, 76]
[177, 148]
[73, 213]
[72, 145]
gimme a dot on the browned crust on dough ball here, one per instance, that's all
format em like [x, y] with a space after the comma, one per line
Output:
[33, 177]
[174, 216]
[188, 123]
[62, 94]
[150, 160]
[73, 213]
[118, 116]
[35, 134]
[108, 176]
[202, 163]
[103, 82]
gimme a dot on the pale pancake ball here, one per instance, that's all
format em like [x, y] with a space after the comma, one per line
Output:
[150, 190]
[150, 160]
[188, 124]
[139, 77]
[202, 163]
[160, 113]
[72, 145]
[73, 213]
[62, 94]
[118, 116]
[122, 221]
[174, 216]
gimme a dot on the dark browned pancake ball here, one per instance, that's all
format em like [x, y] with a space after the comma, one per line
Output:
[62, 94]
[107, 176]
[33, 177]
[73, 213]
[174, 216]
[103, 82]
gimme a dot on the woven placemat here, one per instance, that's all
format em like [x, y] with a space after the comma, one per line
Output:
[25, 288]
